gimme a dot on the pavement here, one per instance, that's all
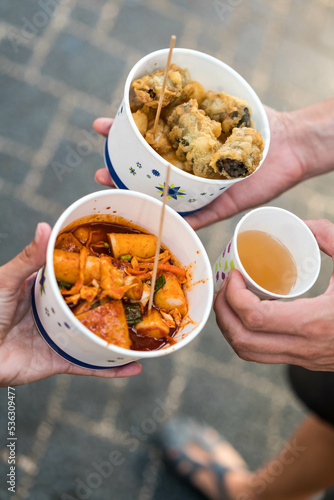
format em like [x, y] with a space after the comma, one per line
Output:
[62, 64]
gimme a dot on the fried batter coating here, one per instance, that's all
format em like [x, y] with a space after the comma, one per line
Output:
[240, 155]
[159, 141]
[173, 159]
[230, 111]
[141, 120]
[194, 136]
[192, 90]
[148, 88]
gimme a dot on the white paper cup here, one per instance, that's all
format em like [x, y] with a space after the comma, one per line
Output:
[71, 339]
[133, 164]
[291, 232]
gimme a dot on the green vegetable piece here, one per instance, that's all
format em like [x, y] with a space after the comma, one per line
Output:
[126, 257]
[106, 244]
[96, 304]
[63, 284]
[160, 282]
[132, 313]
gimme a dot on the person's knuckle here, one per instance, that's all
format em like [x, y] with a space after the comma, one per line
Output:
[253, 319]
[26, 255]
[238, 343]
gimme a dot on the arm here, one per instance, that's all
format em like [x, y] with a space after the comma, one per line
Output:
[24, 355]
[299, 332]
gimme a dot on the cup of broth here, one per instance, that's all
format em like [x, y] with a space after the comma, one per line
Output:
[275, 251]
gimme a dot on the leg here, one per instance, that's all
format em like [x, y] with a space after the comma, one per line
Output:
[303, 467]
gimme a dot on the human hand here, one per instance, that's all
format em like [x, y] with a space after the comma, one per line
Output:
[24, 355]
[102, 126]
[300, 332]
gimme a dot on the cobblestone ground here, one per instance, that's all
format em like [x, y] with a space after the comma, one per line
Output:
[62, 64]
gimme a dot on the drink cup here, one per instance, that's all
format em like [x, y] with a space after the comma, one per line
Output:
[289, 230]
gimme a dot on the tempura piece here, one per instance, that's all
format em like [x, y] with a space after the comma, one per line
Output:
[240, 155]
[173, 159]
[159, 141]
[192, 90]
[108, 322]
[230, 111]
[148, 88]
[194, 136]
[141, 119]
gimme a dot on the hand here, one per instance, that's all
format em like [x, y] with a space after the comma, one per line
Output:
[24, 355]
[300, 332]
[102, 126]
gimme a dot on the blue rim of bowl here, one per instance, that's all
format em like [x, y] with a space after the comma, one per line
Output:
[54, 346]
[121, 185]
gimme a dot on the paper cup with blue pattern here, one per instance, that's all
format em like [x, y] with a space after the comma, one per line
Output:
[133, 164]
[63, 331]
[292, 232]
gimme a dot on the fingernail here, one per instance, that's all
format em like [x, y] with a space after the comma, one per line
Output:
[38, 233]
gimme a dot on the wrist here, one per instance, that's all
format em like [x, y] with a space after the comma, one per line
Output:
[311, 137]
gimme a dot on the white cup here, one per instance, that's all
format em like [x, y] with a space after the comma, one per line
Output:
[71, 339]
[133, 163]
[291, 232]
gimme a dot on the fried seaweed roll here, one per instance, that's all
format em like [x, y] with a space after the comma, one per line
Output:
[230, 111]
[240, 155]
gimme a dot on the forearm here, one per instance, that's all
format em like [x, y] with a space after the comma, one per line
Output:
[312, 137]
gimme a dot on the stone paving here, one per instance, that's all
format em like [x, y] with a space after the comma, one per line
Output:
[62, 64]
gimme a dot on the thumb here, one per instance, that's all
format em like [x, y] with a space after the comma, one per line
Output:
[323, 231]
[32, 257]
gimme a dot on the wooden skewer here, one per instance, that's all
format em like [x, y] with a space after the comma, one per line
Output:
[157, 251]
[157, 116]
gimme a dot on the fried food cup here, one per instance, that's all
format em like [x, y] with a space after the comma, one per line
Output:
[63, 331]
[134, 165]
[289, 230]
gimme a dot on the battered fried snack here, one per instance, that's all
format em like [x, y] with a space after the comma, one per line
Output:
[141, 119]
[194, 136]
[192, 90]
[147, 89]
[240, 155]
[173, 159]
[230, 111]
[208, 134]
[159, 141]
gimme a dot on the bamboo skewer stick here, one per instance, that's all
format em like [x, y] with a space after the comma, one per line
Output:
[157, 116]
[157, 251]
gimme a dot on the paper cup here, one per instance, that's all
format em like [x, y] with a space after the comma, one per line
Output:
[291, 232]
[63, 331]
[133, 164]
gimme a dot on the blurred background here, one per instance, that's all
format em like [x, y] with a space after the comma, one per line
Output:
[63, 63]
